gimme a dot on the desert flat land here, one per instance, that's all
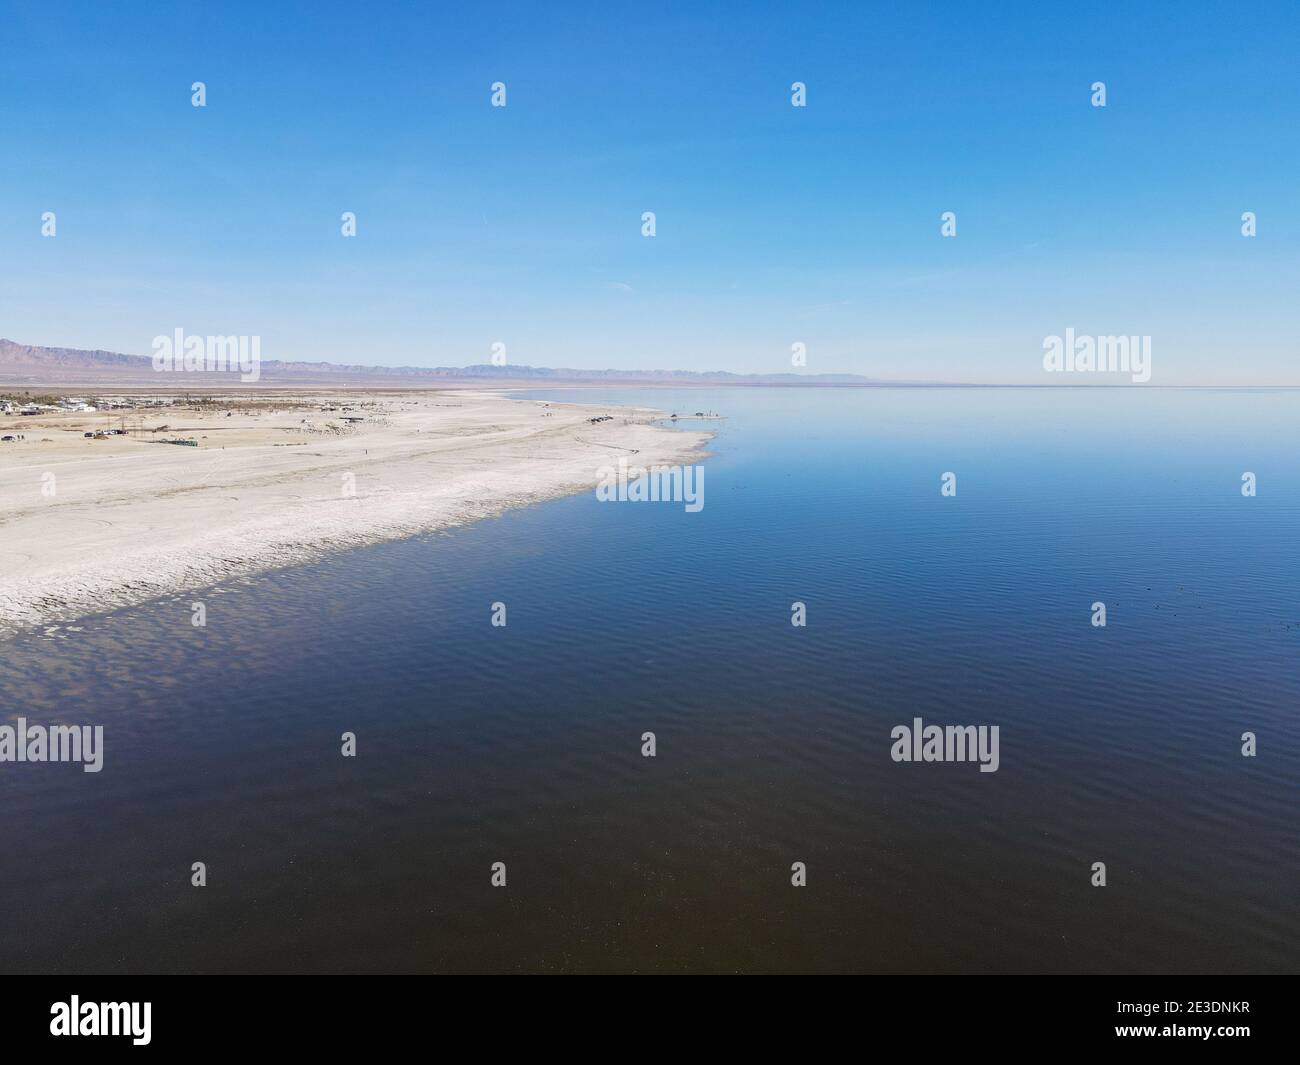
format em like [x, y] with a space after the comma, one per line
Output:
[91, 524]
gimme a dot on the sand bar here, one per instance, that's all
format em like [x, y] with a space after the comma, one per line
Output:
[91, 524]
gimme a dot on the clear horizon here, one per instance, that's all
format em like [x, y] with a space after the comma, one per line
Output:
[775, 225]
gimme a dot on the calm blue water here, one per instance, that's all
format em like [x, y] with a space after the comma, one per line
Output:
[479, 744]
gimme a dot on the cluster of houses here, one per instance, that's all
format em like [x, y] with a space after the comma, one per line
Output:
[30, 408]
[117, 403]
[77, 405]
[71, 404]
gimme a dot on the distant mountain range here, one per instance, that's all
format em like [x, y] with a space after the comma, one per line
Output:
[23, 365]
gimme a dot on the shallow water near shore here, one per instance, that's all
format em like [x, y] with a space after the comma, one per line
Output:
[522, 744]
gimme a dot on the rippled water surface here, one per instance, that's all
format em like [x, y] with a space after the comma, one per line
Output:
[479, 744]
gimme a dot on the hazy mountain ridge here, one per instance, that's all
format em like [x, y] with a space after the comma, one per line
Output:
[20, 362]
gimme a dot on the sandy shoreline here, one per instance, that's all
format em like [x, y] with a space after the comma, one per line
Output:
[91, 525]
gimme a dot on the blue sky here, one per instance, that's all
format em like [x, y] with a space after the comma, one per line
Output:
[774, 224]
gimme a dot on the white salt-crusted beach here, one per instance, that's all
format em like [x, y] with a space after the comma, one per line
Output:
[90, 525]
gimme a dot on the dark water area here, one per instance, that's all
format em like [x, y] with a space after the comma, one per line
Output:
[478, 744]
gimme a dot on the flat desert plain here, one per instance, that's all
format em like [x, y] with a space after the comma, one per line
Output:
[90, 524]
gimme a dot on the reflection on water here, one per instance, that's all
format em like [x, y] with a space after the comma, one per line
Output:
[479, 744]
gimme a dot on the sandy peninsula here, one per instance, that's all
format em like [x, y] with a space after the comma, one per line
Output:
[103, 509]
